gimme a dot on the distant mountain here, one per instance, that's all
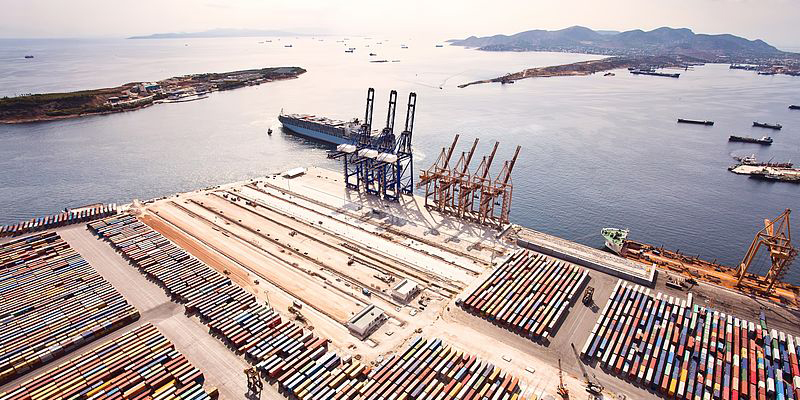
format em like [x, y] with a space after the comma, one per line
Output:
[661, 41]
[218, 33]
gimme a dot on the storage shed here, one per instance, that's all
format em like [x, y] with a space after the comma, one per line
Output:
[366, 321]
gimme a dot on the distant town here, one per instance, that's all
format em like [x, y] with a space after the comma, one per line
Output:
[135, 95]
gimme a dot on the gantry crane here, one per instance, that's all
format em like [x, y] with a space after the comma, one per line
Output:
[455, 191]
[404, 170]
[777, 238]
[463, 203]
[504, 188]
[377, 178]
[382, 163]
[435, 177]
[483, 182]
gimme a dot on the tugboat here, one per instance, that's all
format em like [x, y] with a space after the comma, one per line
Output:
[794, 107]
[767, 125]
[615, 239]
[695, 121]
[764, 140]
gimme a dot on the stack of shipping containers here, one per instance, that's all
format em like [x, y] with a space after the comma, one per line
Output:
[57, 220]
[141, 364]
[51, 302]
[530, 294]
[687, 351]
[299, 361]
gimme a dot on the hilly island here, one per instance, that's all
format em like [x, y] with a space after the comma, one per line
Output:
[641, 50]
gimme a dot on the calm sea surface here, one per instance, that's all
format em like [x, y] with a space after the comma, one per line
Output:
[597, 151]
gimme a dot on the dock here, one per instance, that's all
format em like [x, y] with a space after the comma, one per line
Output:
[584, 255]
[279, 274]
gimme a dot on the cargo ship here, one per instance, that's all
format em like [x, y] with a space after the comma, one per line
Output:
[320, 128]
[653, 73]
[615, 239]
[764, 140]
[767, 125]
[695, 121]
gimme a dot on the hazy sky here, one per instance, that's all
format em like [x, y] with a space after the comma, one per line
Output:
[775, 21]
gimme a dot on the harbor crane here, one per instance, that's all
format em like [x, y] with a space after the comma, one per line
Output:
[383, 163]
[776, 237]
[452, 189]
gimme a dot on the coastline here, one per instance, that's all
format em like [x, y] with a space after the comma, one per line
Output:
[132, 96]
[584, 68]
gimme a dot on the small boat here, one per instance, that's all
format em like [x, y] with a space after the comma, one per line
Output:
[349, 51]
[402, 46]
[695, 121]
[609, 74]
[29, 56]
[439, 45]
[794, 107]
[379, 61]
[767, 125]
[764, 140]
[287, 45]
[269, 131]
[372, 54]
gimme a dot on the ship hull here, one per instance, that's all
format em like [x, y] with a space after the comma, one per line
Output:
[614, 247]
[313, 134]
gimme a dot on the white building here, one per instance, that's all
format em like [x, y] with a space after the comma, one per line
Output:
[405, 290]
[366, 321]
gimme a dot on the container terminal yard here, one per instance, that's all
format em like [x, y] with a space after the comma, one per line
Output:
[344, 285]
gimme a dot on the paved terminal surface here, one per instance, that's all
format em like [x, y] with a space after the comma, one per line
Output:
[222, 368]
[460, 327]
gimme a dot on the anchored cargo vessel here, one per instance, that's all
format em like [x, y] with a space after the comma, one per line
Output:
[654, 73]
[615, 239]
[764, 140]
[695, 121]
[320, 128]
[767, 125]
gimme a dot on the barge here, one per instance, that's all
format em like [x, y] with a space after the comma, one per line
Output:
[745, 139]
[695, 121]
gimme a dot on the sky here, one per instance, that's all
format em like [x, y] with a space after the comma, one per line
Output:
[775, 21]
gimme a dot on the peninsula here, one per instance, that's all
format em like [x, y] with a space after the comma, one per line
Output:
[591, 67]
[134, 95]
